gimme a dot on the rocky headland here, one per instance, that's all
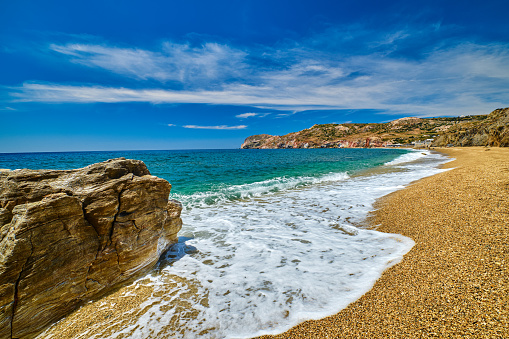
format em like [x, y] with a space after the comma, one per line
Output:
[71, 236]
[493, 131]
[475, 130]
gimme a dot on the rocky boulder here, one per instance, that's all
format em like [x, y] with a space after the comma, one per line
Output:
[71, 236]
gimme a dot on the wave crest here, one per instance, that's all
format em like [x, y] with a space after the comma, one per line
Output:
[256, 189]
[408, 157]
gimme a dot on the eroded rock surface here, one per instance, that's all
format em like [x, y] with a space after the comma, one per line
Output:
[255, 141]
[494, 131]
[70, 236]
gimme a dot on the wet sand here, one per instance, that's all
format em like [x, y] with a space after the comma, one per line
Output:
[454, 282]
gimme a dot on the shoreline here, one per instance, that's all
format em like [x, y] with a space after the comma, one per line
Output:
[453, 282]
[375, 317]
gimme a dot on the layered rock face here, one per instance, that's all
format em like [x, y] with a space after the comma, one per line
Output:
[494, 131]
[255, 141]
[70, 236]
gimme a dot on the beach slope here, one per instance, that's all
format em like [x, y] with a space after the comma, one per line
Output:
[455, 281]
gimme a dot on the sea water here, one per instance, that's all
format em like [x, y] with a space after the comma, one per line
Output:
[270, 238]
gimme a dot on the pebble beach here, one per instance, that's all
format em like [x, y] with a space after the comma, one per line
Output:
[454, 283]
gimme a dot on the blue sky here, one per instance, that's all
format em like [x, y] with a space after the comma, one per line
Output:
[126, 75]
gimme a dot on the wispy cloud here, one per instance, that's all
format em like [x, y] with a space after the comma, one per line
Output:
[287, 114]
[459, 78]
[171, 125]
[250, 115]
[246, 115]
[220, 127]
[173, 62]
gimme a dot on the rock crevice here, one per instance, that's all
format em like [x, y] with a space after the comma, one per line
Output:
[16, 284]
[71, 236]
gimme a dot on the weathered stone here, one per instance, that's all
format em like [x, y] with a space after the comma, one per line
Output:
[494, 131]
[70, 236]
[255, 141]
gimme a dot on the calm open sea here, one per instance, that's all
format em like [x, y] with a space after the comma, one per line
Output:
[270, 237]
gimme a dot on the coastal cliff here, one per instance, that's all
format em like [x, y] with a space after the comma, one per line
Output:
[493, 131]
[71, 236]
[476, 130]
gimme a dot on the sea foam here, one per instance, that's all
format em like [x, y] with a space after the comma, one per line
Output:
[408, 157]
[257, 189]
[262, 264]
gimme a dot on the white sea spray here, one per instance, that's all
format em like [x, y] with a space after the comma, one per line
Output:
[408, 157]
[256, 189]
[266, 262]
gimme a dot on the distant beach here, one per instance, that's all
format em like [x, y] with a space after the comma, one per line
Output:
[453, 283]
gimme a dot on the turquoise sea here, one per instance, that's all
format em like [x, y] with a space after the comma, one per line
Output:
[221, 173]
[270, 238]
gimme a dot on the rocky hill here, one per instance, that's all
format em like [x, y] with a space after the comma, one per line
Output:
[492, 131]
[479, 130]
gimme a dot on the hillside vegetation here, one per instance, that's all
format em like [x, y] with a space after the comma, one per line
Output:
[476, 130]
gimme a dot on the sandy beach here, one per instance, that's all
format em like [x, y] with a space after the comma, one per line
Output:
[455, 281]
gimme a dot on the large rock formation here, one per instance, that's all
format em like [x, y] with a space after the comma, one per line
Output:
[493, 131]
[70, 236]
[255, 141]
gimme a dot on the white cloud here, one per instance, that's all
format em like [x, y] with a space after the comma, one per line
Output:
[174, 62]
[463, 78]
[171, 125]
[220, 127]
[283, 115]
[250, 115]
[246, 115]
